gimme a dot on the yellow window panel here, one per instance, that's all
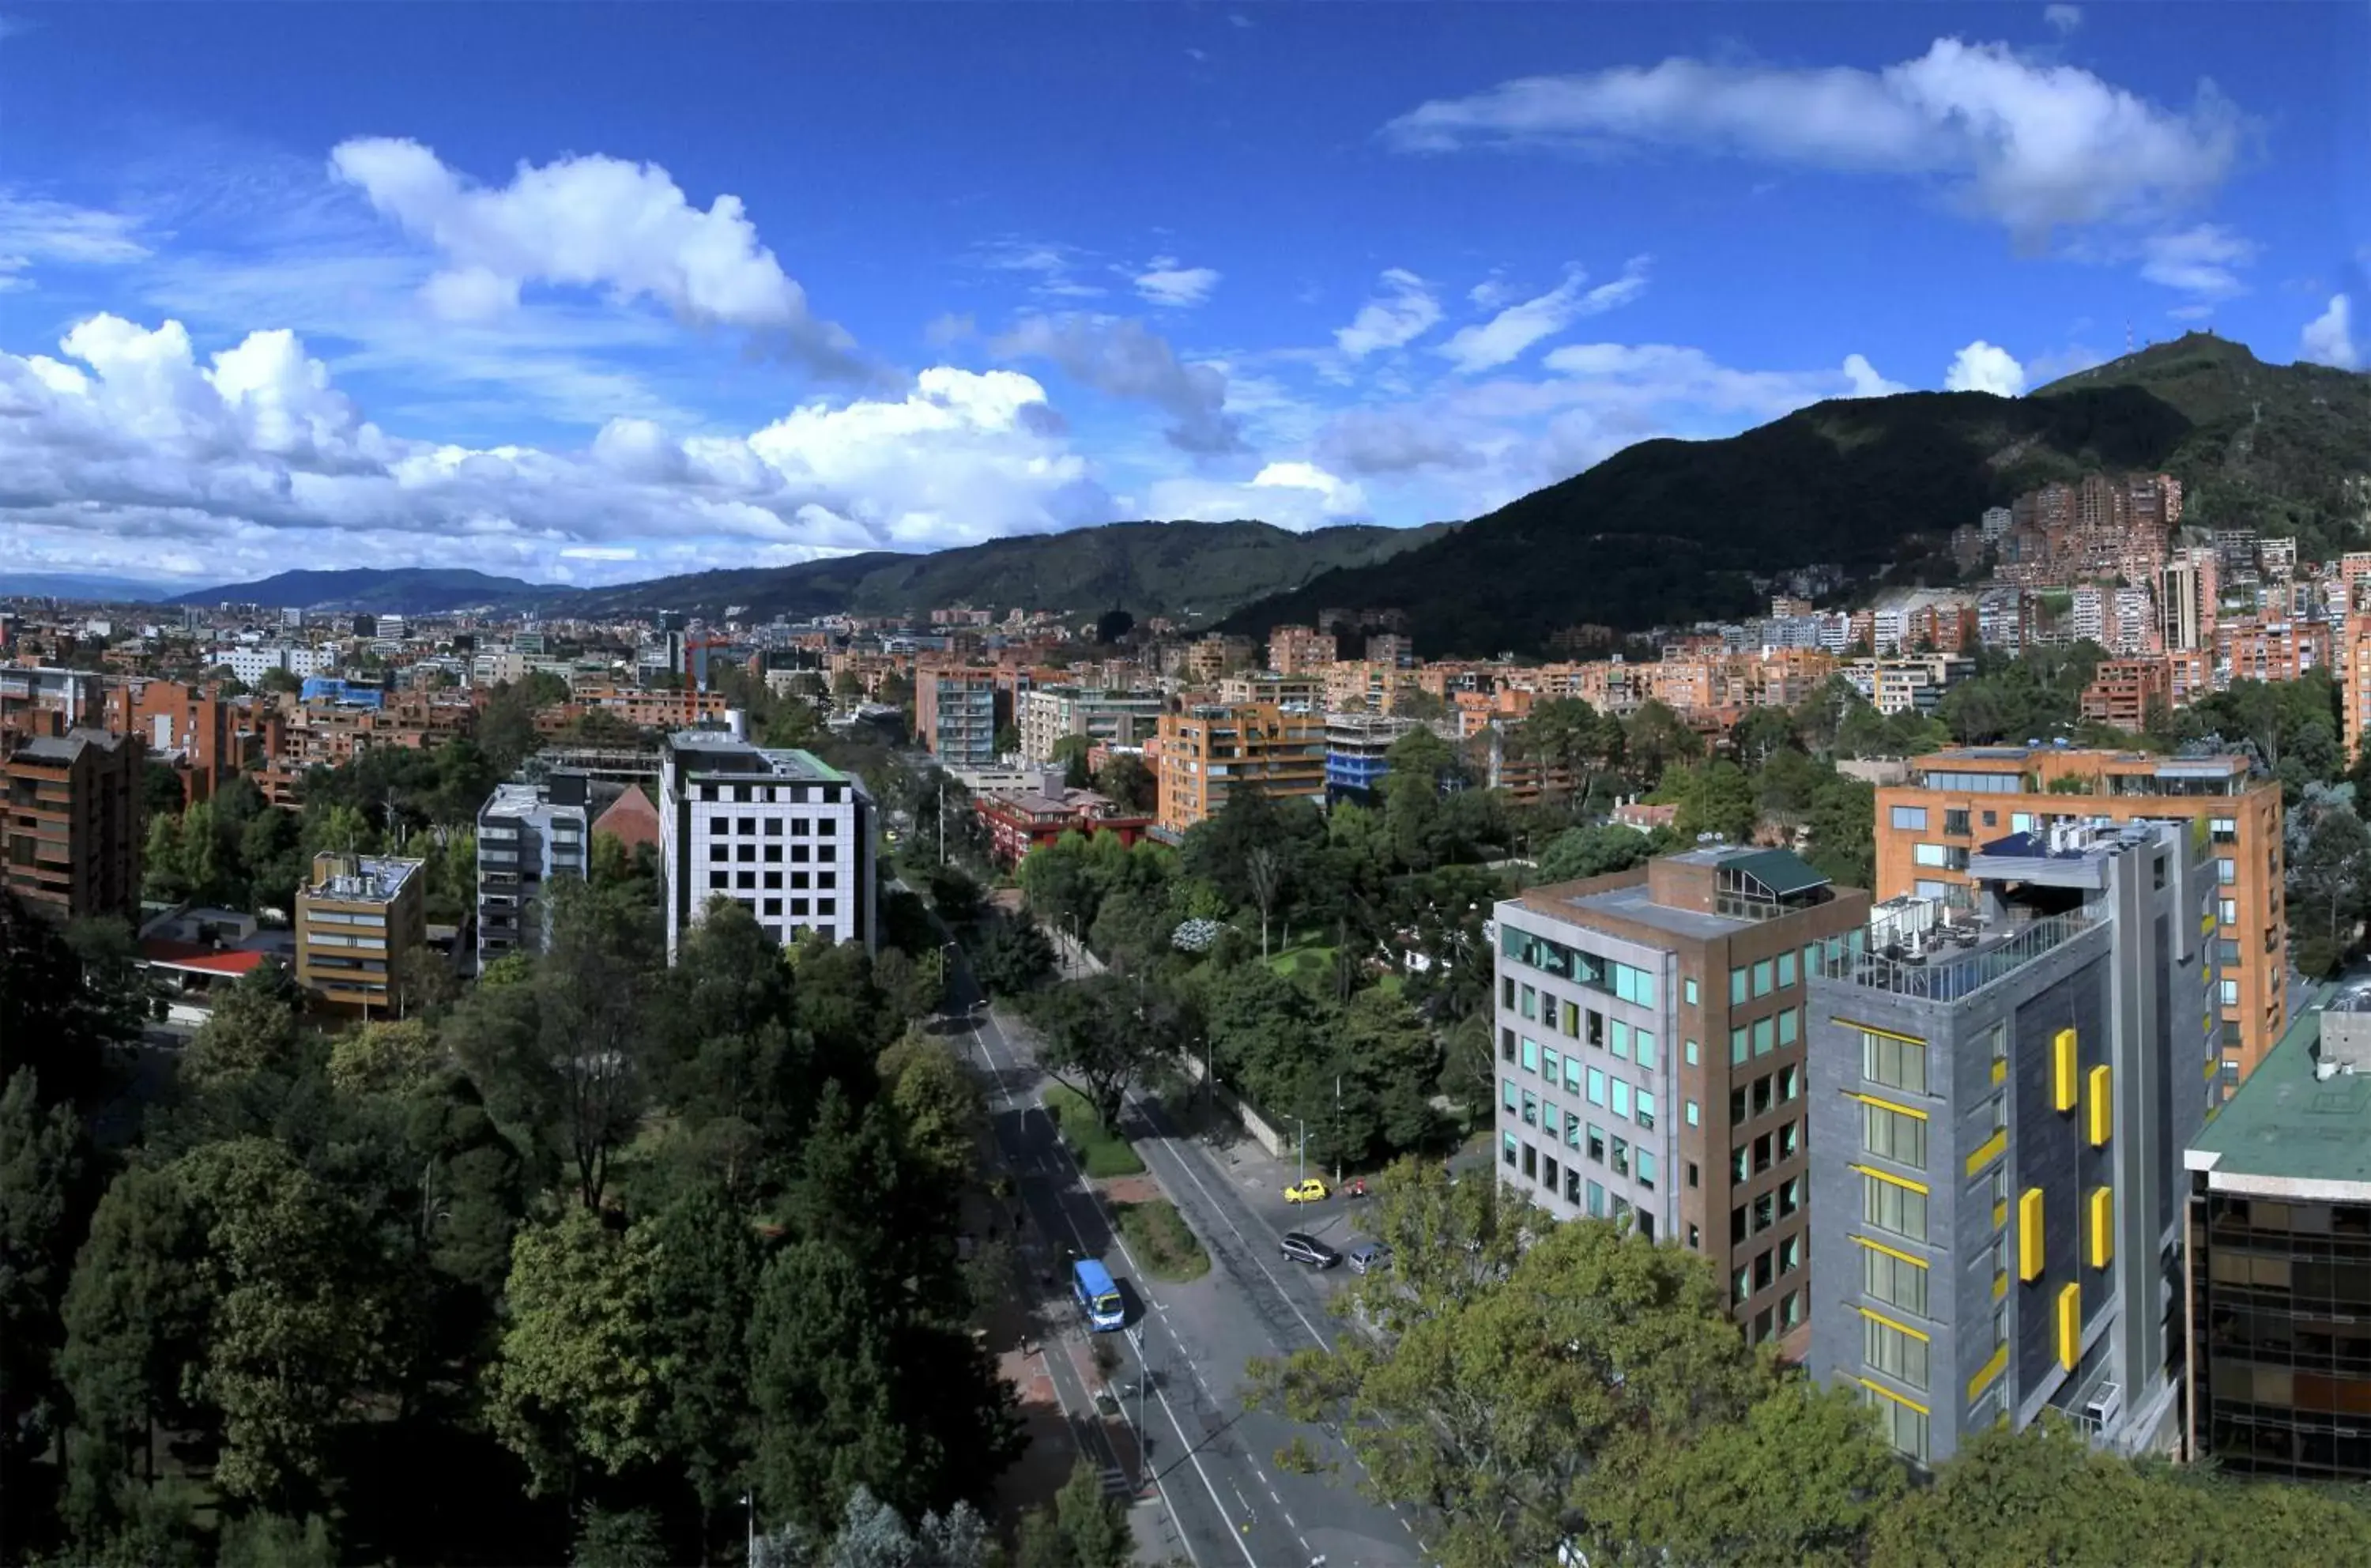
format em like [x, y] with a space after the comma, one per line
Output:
[1992, 1149]
[2063, 1073]
[2103, 1226]
[2099, 1109]
[1986, 1373]
[2029, 1235]
[2070, 1326]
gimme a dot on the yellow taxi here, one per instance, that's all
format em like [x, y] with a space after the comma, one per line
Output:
[1308, 1190]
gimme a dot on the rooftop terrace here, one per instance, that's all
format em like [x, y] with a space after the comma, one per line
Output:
[2287, 1126]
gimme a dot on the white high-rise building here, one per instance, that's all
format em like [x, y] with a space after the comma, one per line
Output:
[781, 831]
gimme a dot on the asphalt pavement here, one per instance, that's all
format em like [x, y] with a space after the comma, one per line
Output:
[1222, 1496]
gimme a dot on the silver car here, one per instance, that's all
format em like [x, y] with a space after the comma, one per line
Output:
[1370, 1257]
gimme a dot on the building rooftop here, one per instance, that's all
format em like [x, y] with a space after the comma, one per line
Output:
[59, 750]
[2286, 1124]
[1634, 903]
[373, 879]
[718, 752]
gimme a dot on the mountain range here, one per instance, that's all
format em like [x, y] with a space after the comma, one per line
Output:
[1673, 531]
[403, 591]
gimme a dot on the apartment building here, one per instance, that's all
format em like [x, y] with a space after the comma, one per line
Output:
[781, 831]
[359, 921]
[205, 738]
[2278, 1309]
[2128, 693]
[1021, 820]
[2249, 648]
[1651, 1027]
[1275, 688]
[1928, 829]
[1357, 747]
[1047, 715]
[70, 822]
[1210, 751]
[2187, 600]
[954, 715]
[1299, 650]
[1998, 1107]
[1913, 682]
[528, 835]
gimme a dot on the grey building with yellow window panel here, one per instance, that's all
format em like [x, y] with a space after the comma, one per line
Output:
[1650, 1028]
[2000, 1095]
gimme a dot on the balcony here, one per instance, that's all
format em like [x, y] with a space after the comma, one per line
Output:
[1950, 973]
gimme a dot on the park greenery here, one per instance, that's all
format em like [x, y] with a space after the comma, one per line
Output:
[1574, 1392]
[558, 1269]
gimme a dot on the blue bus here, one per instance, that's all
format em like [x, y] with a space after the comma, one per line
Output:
[1098, 1297]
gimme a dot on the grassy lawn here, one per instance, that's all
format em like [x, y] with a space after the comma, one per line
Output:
[1100, 1151]
[1162, 1241]
[1303, 961]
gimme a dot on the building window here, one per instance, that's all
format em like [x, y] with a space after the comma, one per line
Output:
[1549, 1069]
[1690, 1053]
[1506, 1044]
[1644, 1041]
[774, 906]
[1619, 1039]
[1736, 983]
[1530, 1162]
[1765, 1036]
[1955, 823]
[1646, 1168]
[1894, 1281]
[1892, 1208]
[1893, 1062]
[1737, 1047]
[720, 879]
[1596, 1143]
[1786, 970]
[2230, 990]
[1531, 1054]
[1688, 989]
[2228, 911]
[1762, 976]
[1910, 819]
[1904, 1425]
[1621, 1099]
[1900, 1356]
[1932, 855]
[1511, 1095]
[720, 852]
[2227, 870]
[1530, 1003]
[1691, 1115]
[1596, 1087]
[1646, 1116]
[2223, 830]
[1890, 1135]
[1787, 1026]
[745, 879]
[1531, 1109]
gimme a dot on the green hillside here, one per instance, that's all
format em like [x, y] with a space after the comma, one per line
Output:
[1170, 569]
[2283, 448]
[1667, 531]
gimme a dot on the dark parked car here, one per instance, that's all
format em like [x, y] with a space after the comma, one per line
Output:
[1309, 1249]
[1368, 1257]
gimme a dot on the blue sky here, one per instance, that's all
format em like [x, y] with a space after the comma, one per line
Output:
[598, 292]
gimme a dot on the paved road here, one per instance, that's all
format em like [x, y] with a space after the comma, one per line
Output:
[1213, 1461]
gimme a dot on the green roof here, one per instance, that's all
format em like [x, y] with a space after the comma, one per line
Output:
[1780, 871]
[2283, 1123]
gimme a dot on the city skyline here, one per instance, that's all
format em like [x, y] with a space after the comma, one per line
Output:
[418, 298]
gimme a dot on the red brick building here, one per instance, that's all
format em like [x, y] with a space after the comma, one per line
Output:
[1020, 822]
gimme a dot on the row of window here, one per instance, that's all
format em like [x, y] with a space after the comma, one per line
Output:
[1764, 1094]
[800, 853]
[1767, 1269]
[1749, 1160]
[747, 880]
[822, 827]
[1613, 1150]
[1540, 1167]
[1594, 970]
[1762, 977]
[1764, 1035]
[791, 794]
[1623, 1099]
[1624, 1040]
[1771, 1208]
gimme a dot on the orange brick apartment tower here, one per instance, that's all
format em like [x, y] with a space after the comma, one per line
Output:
[70, 822]
[1957, 801]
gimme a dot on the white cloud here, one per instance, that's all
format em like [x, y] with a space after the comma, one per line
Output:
[1124, 359]
[130, 452]
[591, 222]
[2032, 144]
[1165, 283]
[2063, 20]
[2328, 337]
[1980, 367]
[2198, 260]
[1053, 267]
[1403, 313]
[1394, 441]
[1488, 344]
[1866, 381]
[1295, 495]
[35, 232]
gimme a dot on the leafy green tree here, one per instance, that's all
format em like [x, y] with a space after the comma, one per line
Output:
[1595, 851]
[578, 1382]
[1013, 957]
[253, 1028]
[1568, 737]
[1070, 752]
[705, 1263]
[619, 1538]
[274, 1541]
[1495, 1407]
[1713, 796]
[2329, 854]
[1762, 734]
[1128, 781]
[297, 1320]
[911, 987]
[135, 1318]
[53, 1018]
[939, 1103]
[1082, 1529]
[45, 1202]
[1654, 738]
[109, 951]
[1102, 1035]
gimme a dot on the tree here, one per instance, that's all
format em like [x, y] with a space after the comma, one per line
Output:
[1264, 874]
[1007, 739]
[939, 1103]
[161, 791]
[1570, 740]
[1012, 958]
[297, 1321]
[1496, 1401]
[577, 1381]
[276, 682]
[51, 1018]
[1127, 780]
[1593, 852]
[2328, 854]
[261, 1539]
[1713, 796]
[1099, 1039]
[45, 1203]
[135, 1316]
[592, 998]
[1082, 1528]
[618, 1537]
[253, 1028]
[703, 1287]
[1761, 735]
[1113, 626]
[1656, 738]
